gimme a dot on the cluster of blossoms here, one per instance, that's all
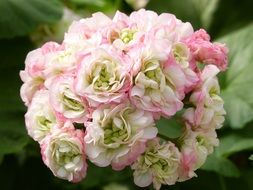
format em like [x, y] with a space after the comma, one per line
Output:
[98, 95]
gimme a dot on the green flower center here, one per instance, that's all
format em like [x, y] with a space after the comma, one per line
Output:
[213, 92]
[70, 103]
[200, 140]
[152, 160]
[151, 75]
[44, 123]
[103, 80]
[105, 76]
[154, 75]
[127, 35]
[64, 54]
[66, 154]
[115, 131]
[181, 55]
[161, 164]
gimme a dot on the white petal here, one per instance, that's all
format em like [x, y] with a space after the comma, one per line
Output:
[61, 172]
[92, 151]
[150, 133]
[143, 180]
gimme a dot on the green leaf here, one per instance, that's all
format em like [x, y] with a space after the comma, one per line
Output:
[184, 10]
[230, 16]
[221, 165]
[97, 176]
[13, 136]
[115, 186]
[98, 3]
[232, 144]
[170, 128]
[251, 157]
[205, 9]
[20, 17]
[86, 7]
[238, 91]
[10, 97]
[229, 145]
[1, 158]
[12, 53]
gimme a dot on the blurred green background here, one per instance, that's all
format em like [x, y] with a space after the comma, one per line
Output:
[25, 24]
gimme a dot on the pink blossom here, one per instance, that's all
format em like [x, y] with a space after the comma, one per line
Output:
[103, 77]
[196, 146]
[34, 74]
[40, 118]
[118, 133]
[117, 77]
[206, 52]
[35, 60]
[188, 162]
[183, 79]
[63, 152]
[30, 87]
[153, 90]
[66, 102]
[126, 160]
[209, 111]
[158, 164]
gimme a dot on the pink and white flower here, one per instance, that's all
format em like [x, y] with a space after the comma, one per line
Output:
[117, 77]
[206, 52]
[84, 29]
[196, 146]
[129, 32]
[179, 70]
[62, 61]
[63, 151]
[85, 34]
[153, 91]
[103, 77]
[158, 164]
[30, 87]
[34, 74]
[66, 102]
[117, 135]
[209, 111]
[40, 118]
[36, 60]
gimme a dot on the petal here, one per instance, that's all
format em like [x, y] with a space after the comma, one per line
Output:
[150, 133]
[143, 179]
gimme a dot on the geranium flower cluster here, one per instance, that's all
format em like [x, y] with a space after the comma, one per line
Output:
[99, 94]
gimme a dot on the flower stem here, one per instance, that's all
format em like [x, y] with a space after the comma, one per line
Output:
[222, 182]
